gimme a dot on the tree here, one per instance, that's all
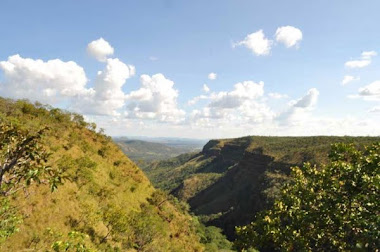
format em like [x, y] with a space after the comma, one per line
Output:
[334, 207]
[23, 160]
[74, 243]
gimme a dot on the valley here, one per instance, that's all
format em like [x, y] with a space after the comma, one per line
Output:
[231, 180]
[100, 199]
[144, 150]
[189, 126]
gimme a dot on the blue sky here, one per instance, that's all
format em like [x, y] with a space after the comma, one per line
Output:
[181, 42]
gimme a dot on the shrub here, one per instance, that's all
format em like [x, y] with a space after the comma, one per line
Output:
[330, 208]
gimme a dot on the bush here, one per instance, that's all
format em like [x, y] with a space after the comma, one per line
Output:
[330, 208]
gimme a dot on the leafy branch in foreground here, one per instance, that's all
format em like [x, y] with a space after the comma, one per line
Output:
[331, 208]
[23, 160]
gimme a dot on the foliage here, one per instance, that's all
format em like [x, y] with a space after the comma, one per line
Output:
[74, 243]
[23, 160]
[213, 238]
[104, 199]
[334, 207]
[116, 222]
[9, 219]
[233, 179]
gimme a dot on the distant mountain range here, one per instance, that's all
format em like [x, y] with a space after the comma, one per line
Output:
[153, 149]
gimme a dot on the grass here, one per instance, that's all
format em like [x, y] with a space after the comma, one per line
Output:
[105, 192]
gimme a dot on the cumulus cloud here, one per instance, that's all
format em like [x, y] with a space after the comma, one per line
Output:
[371, 91]
[288, 35]
[107, 96]
[298, 110]
[309, 100]
[156, 99]
[51, 81]
[242, 91]
[349, 78]
[375, 109]
[205, 88]
[198, 98]
[242, 104]
[212, 76]
[368, 54]
[357, 63]
[100, 49]
[257, 43]
[277, 95]
[365, 60]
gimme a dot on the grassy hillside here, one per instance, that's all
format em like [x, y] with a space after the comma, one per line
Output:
[106, 196]
[232, 179]
[143, 151]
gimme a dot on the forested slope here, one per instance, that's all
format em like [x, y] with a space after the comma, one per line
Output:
[232, 179]
[105, 199]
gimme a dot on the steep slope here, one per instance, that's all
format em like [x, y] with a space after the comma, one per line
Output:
[232, 179]
[105, 196]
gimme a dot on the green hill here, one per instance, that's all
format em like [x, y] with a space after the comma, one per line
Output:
[105, 197]
[232, 179]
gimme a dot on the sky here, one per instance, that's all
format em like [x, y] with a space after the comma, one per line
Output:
[198, 69]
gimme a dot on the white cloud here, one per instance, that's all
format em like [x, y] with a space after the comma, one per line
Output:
[309, 100]
[153, 58]
[108, 96]
[205, 88]
[349, 78]
[375, 109]
[288, 35]
[257, 43]
[243, 110]
[368, 54]
[365, 60]
[241, 105]
[52, 81]
[371, 91]
[277, 95]
[357, 63]
[212, 76]
[299, 110]
[242, 91]
[198, 98]
[100, 49]
[256, 111]
[156, 99]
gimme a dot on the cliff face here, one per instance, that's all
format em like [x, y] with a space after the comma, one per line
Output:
[232, 179]
[224, 183]
[236, 196]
